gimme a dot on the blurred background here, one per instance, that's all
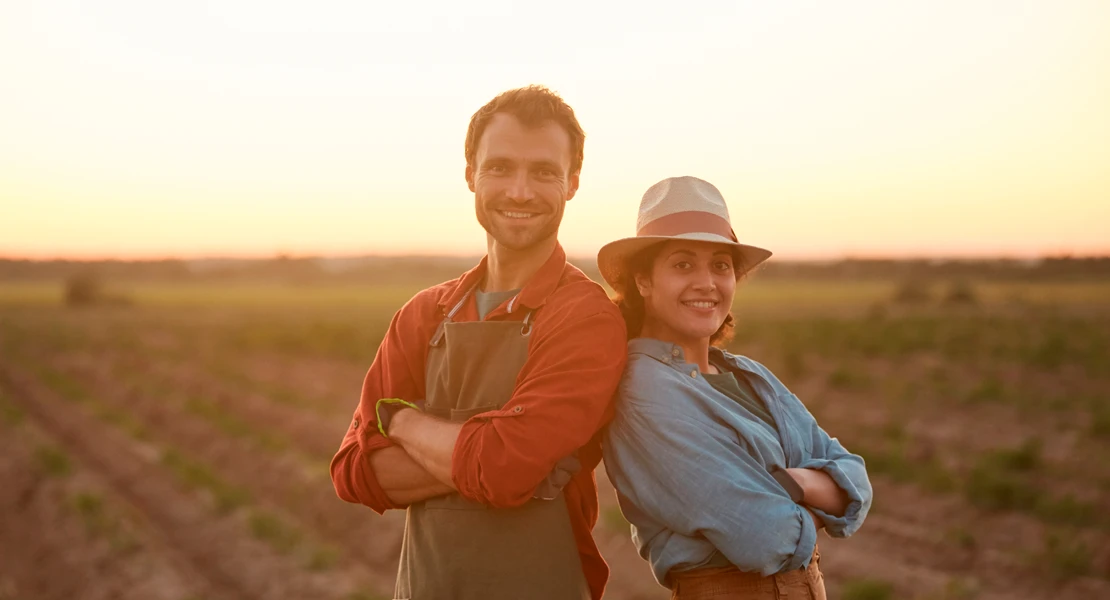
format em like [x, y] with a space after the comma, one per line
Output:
[209, 213]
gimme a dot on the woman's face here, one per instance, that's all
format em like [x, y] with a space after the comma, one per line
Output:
[689, 290]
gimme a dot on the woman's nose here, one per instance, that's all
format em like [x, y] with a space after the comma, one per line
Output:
[703, 280]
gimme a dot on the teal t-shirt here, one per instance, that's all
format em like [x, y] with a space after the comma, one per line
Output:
[487, 301]
[739, 390]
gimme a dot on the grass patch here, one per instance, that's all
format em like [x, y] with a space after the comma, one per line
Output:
[846, 378]
[99, 522]
[322, 559]
[197, 476]
[961, 537]
[364, 595]
[614, 519]
[64, 385]
[52, 461]
[999, 480]
[895, 459]
[10, 414]
[214, 414]
[958, 588]
[1068, 511]
[1100, 419]
[269, 528]
[123, 421]
[1065, 559]
[867, 589]
[989, 390]
[992, 489]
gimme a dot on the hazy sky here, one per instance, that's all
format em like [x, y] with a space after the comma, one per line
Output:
[833, 128]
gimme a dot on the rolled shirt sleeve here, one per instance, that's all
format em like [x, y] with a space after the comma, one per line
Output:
[397, 372]
[848, 471]
[698, 480]
[563, 397]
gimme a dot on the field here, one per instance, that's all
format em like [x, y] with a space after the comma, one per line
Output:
[177, 447]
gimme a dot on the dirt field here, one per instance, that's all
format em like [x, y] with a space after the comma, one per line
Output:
[178, 448]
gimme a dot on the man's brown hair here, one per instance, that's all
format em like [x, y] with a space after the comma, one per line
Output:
[532, 106]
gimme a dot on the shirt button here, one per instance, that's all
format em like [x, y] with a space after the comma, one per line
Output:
[518, 409]
[675, 352]
[666, 359]
[694, 373]
[356, 424]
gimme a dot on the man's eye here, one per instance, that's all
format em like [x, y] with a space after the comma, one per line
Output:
[497, 169]
[546, 173]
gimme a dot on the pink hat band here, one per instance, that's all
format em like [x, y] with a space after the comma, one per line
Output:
[691, 221]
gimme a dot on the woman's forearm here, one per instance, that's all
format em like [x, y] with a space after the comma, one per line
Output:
[821, 492]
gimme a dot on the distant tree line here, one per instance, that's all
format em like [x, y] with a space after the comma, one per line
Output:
[425, 269]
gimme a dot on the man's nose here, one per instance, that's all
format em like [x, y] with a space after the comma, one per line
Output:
[520, 187]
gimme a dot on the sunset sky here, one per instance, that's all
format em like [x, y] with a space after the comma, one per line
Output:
[151, 129]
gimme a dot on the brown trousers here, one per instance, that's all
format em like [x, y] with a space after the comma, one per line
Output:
[729, 582]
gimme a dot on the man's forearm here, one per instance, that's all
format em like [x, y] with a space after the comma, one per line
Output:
[429, 441]
[402, 479]
[821, 492]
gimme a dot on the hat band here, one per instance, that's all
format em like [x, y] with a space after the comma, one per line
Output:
[691, 221]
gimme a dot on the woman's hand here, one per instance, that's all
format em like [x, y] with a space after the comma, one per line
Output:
[820, 491]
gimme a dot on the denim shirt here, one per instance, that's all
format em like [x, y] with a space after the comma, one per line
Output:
[692, 466]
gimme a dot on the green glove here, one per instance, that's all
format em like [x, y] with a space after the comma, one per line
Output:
[385, 408]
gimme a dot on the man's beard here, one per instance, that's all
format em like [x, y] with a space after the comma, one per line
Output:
[520, 239]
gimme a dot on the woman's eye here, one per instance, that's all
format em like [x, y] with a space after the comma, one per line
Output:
[724, 266]
[682, 265]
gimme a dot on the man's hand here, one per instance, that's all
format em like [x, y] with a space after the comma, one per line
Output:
[428, 440]
[402, 480]
[560, 476]
[385, 408]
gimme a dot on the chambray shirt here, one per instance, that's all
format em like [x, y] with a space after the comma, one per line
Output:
[692, 466]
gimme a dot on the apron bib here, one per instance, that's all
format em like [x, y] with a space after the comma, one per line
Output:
[454, 548]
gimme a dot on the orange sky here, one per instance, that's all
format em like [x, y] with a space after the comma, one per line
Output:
[140, 129]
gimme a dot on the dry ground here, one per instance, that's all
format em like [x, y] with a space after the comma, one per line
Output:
[178, 449]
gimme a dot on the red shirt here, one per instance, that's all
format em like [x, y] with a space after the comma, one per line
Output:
[563, 397]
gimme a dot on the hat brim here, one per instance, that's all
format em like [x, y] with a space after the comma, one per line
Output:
[613, 257]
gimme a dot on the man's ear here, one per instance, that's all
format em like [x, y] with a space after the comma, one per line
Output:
[470, 177]
[572, 184]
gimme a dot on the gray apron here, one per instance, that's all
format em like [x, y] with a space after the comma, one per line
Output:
[458, 549]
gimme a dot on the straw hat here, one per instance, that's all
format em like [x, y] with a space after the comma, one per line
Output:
[678, 208]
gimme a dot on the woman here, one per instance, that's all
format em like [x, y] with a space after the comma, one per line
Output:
[723, 473]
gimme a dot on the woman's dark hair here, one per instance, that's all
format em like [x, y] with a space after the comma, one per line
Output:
[631, 303]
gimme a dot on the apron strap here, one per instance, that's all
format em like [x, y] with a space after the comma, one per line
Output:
[437, 337]
[526, 327]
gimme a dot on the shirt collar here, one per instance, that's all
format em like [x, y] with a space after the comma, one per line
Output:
[664, 352]
[670, 353]
[533, 295]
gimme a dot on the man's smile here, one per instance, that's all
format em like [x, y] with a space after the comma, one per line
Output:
[519, 215]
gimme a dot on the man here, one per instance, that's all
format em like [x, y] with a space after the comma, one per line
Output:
[480, 412]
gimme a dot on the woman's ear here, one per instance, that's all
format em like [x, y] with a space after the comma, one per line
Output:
[643, 285]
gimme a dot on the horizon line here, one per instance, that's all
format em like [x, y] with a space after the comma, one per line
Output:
[800, 258]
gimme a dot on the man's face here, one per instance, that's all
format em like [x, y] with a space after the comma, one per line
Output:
[521, 181]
